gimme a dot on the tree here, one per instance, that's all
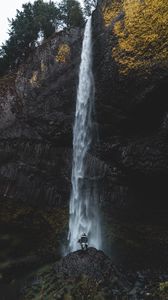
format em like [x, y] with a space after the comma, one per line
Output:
[24, 31]
[39, 19]
[71, 13]
[3, 62]
[46, 16]
[33, 19]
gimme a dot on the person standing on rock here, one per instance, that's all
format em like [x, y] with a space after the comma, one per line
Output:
[83, 241]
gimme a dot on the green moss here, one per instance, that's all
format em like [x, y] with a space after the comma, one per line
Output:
[163, 287]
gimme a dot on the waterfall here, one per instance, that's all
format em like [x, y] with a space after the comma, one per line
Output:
[84, 215]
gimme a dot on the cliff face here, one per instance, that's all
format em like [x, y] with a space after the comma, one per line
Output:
[37, 107]
[36, 118]
[130, 64]
[131, 100]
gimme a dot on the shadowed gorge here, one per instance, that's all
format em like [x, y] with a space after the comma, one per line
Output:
[126, 159]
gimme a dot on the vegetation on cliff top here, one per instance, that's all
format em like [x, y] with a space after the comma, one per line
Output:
[141, 31]
[34, 23]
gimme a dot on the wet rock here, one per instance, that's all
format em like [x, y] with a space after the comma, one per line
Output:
[87, 273]
[92, 263]
[92, 274]
[36, 120]
[131, 115]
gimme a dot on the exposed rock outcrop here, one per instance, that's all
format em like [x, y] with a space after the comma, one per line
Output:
[131, 106]
[92, 263]
[92, 275]
[37, 107]
[87, 273]
[131, 111]
[36, 119]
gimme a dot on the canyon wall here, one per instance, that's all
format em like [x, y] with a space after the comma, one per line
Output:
[131, 115]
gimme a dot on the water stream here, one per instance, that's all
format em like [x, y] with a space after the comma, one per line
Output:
[84, 213]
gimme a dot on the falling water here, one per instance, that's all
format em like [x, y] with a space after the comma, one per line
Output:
[84, 216]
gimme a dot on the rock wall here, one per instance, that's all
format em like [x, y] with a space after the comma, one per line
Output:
[37, 105]
[131, 112]
[131, 107]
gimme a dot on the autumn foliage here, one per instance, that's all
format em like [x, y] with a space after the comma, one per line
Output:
[63, 53]
[142, 33]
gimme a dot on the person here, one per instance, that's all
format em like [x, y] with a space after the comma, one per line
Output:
[83, 241]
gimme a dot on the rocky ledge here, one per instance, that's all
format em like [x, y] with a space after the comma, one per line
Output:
[77, 275]
[91, 274]
[91, 263]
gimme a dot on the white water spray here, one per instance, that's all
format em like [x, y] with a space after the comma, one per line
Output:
[84, 216]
